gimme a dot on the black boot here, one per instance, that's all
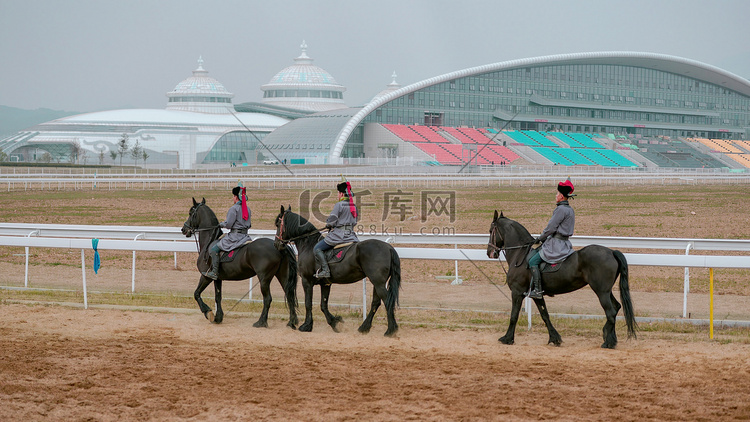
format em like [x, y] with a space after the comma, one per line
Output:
[320, 258]
[536, 283]
[213, 273]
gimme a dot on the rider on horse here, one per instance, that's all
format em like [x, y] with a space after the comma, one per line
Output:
[238, 221]
[341, 224]
[556, 246]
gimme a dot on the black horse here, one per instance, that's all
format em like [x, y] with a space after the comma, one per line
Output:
[372, 258]
[594, 265]
[260, 258]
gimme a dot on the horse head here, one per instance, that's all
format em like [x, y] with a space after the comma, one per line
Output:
[282, 235]
[200, 217]
[495, 245]
[291, 227]
[506, 234]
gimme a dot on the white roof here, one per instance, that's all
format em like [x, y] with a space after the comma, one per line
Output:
[156, 116]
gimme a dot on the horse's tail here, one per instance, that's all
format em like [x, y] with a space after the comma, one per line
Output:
[627, 304]
[394, 284]
[290, 284]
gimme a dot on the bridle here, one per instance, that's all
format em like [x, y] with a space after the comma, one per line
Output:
[192, 231]
[504, 249]
[280, 232]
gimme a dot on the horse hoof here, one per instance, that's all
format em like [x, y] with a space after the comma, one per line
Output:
[210, 316]
[363, 330]
[505, 340]
[260, 324]
[608, 346]
[305, 328]
[391, 334]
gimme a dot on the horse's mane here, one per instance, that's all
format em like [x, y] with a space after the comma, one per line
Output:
[517, 228]
[297, 225]
[213, 221]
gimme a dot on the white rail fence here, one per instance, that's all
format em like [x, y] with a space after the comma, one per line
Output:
[373, 177]
[170, 239]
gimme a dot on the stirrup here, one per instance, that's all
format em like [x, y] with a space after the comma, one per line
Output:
[210, 274]
[319, 275]
[534, 294]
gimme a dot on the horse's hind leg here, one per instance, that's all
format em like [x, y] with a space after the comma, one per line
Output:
[265, 290]
[217, 294]
[374, 305]
[205, 309]
[610, 310]
[389, 308]
[554, 336]
[325, 291]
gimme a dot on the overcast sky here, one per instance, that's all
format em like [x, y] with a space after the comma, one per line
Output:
[81, 55]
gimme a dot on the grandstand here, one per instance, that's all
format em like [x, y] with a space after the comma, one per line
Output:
[738, 151]
[457, 145]
[454, 146]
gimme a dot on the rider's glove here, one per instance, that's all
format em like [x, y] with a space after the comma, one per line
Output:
[538, 240]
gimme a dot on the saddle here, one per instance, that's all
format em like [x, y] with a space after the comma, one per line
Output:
[546, 267]
[228, 256]
[338, 252]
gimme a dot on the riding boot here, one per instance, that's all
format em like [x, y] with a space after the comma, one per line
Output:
[320, 258]
[536, 282]
[213, 273]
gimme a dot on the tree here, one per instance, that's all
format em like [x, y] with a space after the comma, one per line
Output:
[75, 151]
[145, 157]
[46, 157]
[123, 146]
[101, 157]
[136, 152]
[3, 156]
[113, 155]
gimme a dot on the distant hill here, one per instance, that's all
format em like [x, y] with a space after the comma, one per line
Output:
[13, 119]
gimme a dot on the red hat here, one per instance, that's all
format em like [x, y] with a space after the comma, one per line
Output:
[566, 188]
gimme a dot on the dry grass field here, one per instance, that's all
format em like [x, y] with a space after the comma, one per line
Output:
[152, 355]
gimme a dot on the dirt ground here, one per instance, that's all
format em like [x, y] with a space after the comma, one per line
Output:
[61, 363]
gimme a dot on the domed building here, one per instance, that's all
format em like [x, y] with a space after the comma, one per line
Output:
[198, 127]
[200, 93]
[304, 86]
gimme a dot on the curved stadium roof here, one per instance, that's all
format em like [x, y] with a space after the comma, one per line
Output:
[672, 64]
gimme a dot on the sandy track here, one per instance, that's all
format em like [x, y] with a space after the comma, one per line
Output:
[69, 364]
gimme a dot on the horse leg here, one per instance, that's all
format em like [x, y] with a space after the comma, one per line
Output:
[205, 309]
[374, 305]
[265, 289]
[390, 310]
[307, 287]
[509, 337]
[217, 294]
[333, 320]
[610, 310]
[554, 336]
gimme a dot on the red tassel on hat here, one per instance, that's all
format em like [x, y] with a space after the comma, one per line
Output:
[245, 212]
[349, 193]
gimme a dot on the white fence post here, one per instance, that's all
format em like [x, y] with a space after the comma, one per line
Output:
[83, 271]
[132, 286]
[26, 272]
[527, 302]
[686, 287]
[364, 298]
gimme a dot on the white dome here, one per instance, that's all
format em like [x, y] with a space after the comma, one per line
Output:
[304, 86]
[200, 93]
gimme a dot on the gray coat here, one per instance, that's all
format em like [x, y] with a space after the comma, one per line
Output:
[234, 220]
[343, 224]
[562, 223]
